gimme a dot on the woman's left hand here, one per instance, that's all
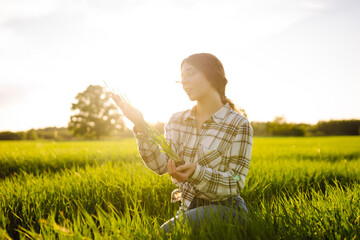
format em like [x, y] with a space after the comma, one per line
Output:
[181, 173]
[133, 114]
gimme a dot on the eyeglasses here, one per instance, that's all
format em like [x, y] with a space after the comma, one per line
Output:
[186, 74]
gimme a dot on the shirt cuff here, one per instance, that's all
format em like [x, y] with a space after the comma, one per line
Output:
[198, 174]
[139, 135]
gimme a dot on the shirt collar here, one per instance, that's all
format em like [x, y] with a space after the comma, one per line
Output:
[217, 117]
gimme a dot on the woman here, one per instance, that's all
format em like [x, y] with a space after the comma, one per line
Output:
[213, 138]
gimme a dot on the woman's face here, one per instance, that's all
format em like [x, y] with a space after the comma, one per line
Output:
[194, 82]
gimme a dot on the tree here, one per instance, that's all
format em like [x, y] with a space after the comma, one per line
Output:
[31, 134]
[7, 135]
[279, 127]
[337, 127]
[95, 115]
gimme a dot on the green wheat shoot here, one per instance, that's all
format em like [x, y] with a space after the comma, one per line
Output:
[153, 134]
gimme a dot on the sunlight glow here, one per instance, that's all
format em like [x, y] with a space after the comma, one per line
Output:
[292, 58]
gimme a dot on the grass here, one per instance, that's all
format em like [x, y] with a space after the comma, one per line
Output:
[102, 190]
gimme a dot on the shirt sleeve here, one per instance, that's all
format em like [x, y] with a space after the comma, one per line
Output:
[151, 153]
[232, 181]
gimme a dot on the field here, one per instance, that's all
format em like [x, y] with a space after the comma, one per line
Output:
[297, 188]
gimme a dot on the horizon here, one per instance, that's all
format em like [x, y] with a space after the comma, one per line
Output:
[296, 59]
[129, 125]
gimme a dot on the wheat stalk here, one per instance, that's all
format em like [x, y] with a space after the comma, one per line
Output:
[153, 134]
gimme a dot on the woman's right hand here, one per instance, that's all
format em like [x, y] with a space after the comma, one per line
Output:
[133, 114]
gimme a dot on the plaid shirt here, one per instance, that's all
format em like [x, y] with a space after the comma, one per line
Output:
[221, 151]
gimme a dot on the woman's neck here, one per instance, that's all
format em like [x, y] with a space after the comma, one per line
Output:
[208, 106]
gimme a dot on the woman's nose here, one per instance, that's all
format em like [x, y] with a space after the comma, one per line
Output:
[184, 81]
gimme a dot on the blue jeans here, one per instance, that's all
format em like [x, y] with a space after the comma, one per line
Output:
[233, 208]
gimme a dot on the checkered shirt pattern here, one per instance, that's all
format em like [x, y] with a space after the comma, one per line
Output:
[221, 151]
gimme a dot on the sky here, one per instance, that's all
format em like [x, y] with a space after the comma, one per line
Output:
[299, 59]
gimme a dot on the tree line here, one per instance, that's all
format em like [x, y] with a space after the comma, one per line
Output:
[270, 128]
[279, 127]
[95, 116]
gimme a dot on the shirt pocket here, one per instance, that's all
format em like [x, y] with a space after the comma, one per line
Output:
[210, 157]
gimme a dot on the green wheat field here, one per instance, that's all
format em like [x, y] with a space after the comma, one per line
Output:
[297, 188]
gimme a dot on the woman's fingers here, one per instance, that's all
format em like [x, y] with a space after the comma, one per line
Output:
[169, 163]
[173, 164]
[182, 167]
[117, 100]
[133, 114]
[170, 167]
[177, 172]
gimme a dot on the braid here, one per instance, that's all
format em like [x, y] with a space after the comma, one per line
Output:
[224, 99]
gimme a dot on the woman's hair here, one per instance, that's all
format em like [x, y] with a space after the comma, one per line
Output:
[214, 72]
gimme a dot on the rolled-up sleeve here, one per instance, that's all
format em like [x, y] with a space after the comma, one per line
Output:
[152, 154]
[231, 181]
